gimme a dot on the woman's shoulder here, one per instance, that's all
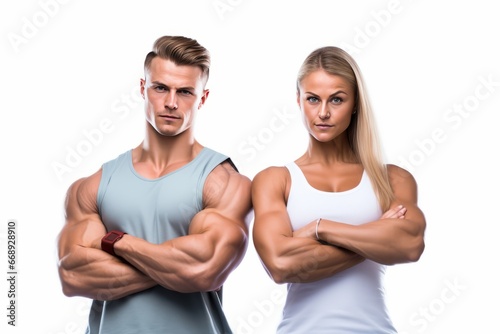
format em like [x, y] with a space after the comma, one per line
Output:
[272, 172]
[399, 176]
[397, 171]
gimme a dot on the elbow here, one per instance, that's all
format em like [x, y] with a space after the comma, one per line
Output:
[68, 283]
[279, 272]
[72, 284]
[204, 280]
[276, 275]
[68, 291]
[282, 269]
[72, 287]
[417, 251]
[279, 275]
[205, 284]
[410, 252]
[414, 253]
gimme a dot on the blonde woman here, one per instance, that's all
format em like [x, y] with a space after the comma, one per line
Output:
[329, 222]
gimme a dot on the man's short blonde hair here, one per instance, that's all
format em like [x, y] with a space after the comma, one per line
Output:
[182, 51]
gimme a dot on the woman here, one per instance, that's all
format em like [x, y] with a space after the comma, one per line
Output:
[329, 222]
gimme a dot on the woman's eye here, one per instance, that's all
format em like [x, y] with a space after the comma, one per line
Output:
[336, 100]
[312, 99]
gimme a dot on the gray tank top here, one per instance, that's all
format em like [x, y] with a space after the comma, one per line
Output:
[156, 210]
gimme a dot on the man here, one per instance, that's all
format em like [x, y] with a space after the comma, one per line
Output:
[152, 236]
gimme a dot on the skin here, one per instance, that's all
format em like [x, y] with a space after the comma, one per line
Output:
[327, 103]
[218, 235]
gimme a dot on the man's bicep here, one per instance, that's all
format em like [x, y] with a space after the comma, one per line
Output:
[83, 223]
[221, 224]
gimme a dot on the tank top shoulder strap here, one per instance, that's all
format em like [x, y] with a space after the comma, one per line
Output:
[210, 158]
[205, 162]
[296, 175]
[108, 168]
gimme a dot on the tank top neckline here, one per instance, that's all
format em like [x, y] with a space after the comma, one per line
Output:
[297, 171]
[132, 168]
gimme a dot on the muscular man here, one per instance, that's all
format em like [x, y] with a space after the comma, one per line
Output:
[152, 236]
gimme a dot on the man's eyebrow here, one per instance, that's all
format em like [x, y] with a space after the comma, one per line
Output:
[159, 83]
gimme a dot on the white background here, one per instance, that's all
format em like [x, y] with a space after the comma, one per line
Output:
[68, 67]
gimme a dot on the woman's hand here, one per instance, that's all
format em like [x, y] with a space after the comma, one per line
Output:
[396, 212]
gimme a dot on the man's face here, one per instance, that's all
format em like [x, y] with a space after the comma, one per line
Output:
[172, 94]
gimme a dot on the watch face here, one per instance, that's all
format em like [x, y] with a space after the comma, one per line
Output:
[111, 237]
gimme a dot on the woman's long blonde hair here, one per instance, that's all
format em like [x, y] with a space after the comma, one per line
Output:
[362, 132]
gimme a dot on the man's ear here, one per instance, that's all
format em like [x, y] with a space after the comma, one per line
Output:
[204, 97]
[143, 87]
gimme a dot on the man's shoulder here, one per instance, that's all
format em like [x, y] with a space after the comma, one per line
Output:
[223, 184]
[90, 183]
[217, 158]
[83, 192]
[226, 172]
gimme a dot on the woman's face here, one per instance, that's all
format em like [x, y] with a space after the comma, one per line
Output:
[327, 104]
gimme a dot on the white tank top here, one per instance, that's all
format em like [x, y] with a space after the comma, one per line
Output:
[352, 301]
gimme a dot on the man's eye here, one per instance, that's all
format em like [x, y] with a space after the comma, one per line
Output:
[160, 88]
[185, 92]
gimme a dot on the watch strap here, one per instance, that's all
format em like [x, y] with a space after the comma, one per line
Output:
[109, 240]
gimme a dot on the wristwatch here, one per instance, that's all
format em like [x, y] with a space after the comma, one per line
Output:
[108, 241]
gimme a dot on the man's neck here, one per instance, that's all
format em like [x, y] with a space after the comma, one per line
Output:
[158, 155]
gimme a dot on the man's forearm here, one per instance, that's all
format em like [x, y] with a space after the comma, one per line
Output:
[191, 263]
[91, 273]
